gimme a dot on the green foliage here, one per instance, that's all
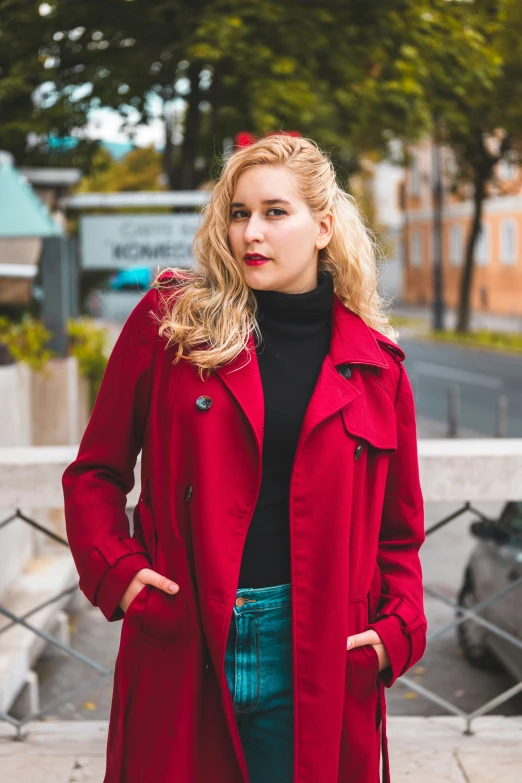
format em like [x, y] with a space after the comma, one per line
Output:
[473, 87]
[351, 75]
[88, 343]
[139, 169]
[483, 338]
[26, 342]
[348, 74]
[28, 103]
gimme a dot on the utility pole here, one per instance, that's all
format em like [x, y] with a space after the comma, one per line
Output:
[438, 282]
[60, 290]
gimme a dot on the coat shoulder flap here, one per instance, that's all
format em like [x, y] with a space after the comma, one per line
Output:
[371, 416]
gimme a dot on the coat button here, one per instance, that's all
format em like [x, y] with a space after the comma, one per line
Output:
[188, 492]
[344, 370]
[358, 451]
[204, 403]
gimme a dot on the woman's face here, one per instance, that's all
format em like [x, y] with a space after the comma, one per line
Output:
[273, 236]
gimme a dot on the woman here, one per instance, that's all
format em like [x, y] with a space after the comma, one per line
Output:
[271, 588]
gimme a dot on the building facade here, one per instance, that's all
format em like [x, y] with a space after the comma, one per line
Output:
[497, 279]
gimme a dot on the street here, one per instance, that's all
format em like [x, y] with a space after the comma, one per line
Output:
[481, 377]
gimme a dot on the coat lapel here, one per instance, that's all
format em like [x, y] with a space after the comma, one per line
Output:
[243, 380]
[352, 342]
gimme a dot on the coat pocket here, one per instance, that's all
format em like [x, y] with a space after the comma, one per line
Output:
[162, 618]
[362, 663]
[135, 602]
[166, 616]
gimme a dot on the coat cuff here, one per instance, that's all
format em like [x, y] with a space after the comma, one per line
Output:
[109, 570]
[114, 583]
[397, 645]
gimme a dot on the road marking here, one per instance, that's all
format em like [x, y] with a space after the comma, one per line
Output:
[454, 374]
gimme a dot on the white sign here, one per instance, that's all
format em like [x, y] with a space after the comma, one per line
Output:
[124, 241]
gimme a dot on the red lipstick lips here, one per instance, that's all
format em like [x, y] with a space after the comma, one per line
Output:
[255, 259]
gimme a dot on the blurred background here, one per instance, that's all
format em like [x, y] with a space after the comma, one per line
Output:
[115, 119]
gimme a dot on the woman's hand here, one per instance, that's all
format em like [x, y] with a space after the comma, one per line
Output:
[147, 577]
[373, 638]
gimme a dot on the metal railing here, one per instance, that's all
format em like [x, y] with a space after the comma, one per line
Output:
[24, 621]
[462, 615]
[440, 462]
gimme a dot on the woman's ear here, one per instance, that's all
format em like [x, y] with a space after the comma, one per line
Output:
[325, 231]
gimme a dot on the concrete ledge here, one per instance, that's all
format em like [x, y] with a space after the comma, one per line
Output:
[41, 579]
[474, 469]
[424, 750]
[31, 477]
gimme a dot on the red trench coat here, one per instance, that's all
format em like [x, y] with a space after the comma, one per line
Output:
[356, 524]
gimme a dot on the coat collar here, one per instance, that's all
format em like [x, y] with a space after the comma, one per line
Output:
[352, 342]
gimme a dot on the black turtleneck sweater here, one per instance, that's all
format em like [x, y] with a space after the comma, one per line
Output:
[296, 338]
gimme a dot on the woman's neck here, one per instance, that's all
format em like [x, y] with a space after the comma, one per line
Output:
[311, 306]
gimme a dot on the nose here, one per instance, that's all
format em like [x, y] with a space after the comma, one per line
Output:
[253, 230]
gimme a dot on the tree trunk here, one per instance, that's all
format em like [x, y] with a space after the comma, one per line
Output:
[168, 151]
[185, 175]
[481, 177]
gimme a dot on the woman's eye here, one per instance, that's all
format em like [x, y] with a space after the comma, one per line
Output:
[237, 214]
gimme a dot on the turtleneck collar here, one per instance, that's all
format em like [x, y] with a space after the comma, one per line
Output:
[311, 306]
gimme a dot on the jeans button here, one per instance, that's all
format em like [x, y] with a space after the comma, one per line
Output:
[240, 601]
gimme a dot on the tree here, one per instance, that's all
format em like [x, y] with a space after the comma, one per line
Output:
[351, 75]
[345, 73]
[481, 118]
[139, 169]
[25, 116]
[197, 66]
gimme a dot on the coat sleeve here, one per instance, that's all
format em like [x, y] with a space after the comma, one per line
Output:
[96, 484]
[401, 622]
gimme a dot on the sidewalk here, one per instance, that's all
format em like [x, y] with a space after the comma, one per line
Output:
[423, 750]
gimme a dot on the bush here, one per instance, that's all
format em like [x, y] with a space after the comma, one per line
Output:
[88, 343]
[483, 338]
[26, 342]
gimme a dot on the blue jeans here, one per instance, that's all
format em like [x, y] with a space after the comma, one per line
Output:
[258, 668]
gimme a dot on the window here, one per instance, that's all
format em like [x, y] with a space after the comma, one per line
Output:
[511, 520]
[416, 247]
[456, 245]
[415, 178]
[508, 242]
[507, 168]
[482, 246]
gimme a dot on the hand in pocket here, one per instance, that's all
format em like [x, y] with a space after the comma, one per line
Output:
[146, 576]
[373, 638]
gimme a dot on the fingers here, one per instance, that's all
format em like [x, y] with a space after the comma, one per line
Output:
[360, 639]
[150, 577]
[130, 594]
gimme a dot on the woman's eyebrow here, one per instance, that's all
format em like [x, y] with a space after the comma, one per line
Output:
[266, 201]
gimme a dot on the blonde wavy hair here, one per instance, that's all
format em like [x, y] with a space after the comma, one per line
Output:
[208, 314]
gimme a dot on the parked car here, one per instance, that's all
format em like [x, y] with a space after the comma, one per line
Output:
[121, 293]
[495, 564]
[137, 278]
